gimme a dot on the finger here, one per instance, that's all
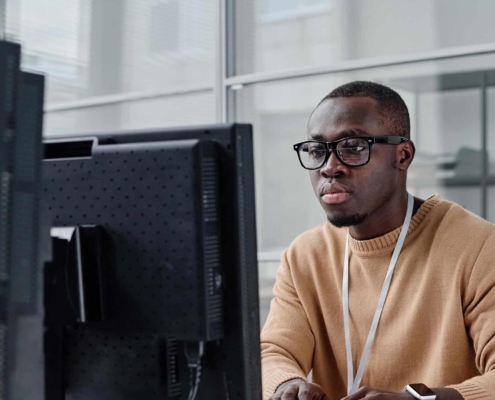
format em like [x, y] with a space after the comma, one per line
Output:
[311, 392]
[303, 395]
[290, 393]
[306, 393]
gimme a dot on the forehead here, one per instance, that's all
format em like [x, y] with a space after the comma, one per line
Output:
[345, 116]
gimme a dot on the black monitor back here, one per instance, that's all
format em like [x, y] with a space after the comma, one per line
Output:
[21, 110]
[176, 209]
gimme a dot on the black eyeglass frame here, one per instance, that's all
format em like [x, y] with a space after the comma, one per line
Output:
[332, 147]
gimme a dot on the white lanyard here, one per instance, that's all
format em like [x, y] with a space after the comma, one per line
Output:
[353, 383]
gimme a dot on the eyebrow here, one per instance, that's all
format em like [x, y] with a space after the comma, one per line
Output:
[340, 135]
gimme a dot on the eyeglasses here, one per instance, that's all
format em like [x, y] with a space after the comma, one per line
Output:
[351, 151]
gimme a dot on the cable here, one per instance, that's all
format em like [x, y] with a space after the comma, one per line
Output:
[195, 378]
[194, 364]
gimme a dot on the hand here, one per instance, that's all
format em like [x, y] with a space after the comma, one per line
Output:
[299, 389]
[378, 394]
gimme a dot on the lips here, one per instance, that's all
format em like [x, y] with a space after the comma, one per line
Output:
[334, 193]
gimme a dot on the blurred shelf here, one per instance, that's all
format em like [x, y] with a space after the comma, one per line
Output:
[458, 181]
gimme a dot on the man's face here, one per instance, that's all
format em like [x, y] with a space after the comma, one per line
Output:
[350, 194]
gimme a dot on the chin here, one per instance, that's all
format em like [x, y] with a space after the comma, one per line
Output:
[346, 219]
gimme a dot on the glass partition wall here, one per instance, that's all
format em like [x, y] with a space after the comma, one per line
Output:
[129, 64]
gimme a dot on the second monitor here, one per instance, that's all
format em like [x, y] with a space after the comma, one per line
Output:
[160, 267]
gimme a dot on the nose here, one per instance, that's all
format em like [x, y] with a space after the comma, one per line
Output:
[333, 167]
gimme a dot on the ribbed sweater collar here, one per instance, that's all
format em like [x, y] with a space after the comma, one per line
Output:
[386, 243]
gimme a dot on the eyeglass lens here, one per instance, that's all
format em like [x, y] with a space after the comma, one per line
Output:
[352, 151]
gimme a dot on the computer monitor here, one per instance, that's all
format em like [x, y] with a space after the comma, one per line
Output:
[155, 264]
[21, 326]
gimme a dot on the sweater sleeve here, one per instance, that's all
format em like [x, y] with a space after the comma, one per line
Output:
[479, 316]
[287, 342]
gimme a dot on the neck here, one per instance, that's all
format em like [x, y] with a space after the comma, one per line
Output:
[385, 219]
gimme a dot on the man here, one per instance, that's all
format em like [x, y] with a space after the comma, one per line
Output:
[426, 291]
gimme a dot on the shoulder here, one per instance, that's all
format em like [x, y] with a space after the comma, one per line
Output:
[459, 222]
[459, 238]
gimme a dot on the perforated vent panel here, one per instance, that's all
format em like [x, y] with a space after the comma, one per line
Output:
[214, 279]
[211, 242]
[172, 367]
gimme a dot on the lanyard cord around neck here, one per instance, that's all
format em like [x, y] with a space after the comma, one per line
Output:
[353, 383]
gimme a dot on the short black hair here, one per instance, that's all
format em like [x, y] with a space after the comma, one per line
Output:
[393, 107]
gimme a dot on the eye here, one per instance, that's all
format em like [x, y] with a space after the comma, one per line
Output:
[316, 150]
[353, 146]
[354, 149]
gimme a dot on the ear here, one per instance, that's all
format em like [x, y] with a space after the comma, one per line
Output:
[405, 155]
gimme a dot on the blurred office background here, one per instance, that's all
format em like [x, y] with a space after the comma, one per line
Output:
[133, 64]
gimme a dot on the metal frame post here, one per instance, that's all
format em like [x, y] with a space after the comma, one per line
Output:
[230, 47]
[484, 149]
[219, 89]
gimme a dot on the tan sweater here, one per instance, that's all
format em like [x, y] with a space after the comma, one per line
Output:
[438, 323]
